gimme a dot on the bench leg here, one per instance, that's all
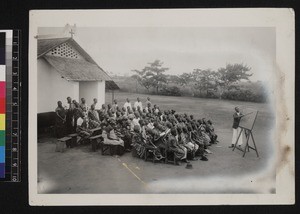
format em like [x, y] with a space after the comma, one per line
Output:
[74, 142]
[94, 144]
[102, 150]
[60, 146]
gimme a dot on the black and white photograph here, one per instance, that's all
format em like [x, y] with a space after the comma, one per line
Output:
[145, 106]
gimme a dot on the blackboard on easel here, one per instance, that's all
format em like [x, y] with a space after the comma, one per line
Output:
[248, 120]
[246, 125]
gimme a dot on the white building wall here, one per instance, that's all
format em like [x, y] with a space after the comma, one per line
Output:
[101, 92]
[52, 87]
[88, 91]
[92, 89]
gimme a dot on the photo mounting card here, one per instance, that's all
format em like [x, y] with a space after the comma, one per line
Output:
[195, 66]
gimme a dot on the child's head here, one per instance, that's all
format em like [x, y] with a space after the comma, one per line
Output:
[173, 131]
[179, 130]
[184, 129]
[136, 129]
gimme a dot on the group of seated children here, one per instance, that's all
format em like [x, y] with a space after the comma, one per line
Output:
[138, 129]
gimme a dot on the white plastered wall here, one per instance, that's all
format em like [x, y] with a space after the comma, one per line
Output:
[52, 87]
[92, 89]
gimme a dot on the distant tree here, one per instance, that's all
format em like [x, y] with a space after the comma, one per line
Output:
[152, 75]
[142, 80]
[173, 79]
[232, 73]
[203, 80]
[185, 78]
[181, 80]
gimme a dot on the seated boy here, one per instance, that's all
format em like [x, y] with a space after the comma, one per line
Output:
[180, 152]
[188, 143]
[110, 138]
[197, 140]
[137, 142]
[83, 128]
[211, 130]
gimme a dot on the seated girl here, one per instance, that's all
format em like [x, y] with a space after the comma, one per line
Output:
[149, 144]
[188, 143]
[197, 140]
[110, 138]
[179, 151]
[211, 130]
[138, 142]
[83, 128]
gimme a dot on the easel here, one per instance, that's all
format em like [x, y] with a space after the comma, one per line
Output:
[248, 133]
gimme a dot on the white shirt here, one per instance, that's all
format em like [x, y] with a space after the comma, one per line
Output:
[69, 106]
[136, 104]
[168, 131]
[126, 105]
[150, 125]
[147, 110]
[114, 107]
[148, 102]
[131, 125]
[136, 121]
[96, 106]
[79, 121]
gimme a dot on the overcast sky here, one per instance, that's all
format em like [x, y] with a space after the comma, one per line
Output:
[119, 50]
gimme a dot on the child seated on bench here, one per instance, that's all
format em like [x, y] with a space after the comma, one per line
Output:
[186, 140]
[211, 130]
[137, 142]
[180, 151]
[83, 128]
[110, 138]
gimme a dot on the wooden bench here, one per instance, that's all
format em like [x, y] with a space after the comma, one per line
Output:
[96, 131]
[73, 140]
[149, 154]
[61, 144]
[93, 132]
[106, 147]
[169, 156]
[95, 142]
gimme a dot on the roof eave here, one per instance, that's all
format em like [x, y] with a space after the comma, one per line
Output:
[45, 52]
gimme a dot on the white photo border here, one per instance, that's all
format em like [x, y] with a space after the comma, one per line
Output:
[283, 19]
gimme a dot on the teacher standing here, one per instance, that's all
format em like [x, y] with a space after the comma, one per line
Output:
[235, 127]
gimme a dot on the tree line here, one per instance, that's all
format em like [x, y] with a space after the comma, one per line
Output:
[223, 83]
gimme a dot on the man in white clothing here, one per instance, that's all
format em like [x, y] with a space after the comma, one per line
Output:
[236, 129]
[127, 104]
[138, 103]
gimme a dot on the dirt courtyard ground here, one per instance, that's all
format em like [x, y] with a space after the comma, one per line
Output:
[79, 170]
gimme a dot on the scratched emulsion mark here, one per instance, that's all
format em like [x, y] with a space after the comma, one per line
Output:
[283, 121]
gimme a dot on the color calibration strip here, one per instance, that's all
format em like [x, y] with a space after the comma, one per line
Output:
[2, 103]
[10, 102]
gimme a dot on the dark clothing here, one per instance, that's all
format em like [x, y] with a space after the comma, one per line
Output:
[127, 139]
[176, 148]
[199, 141]
[158, 140]
[211, 132]
[236, 120]
[138, 144]
[60, 122]
[70, 119]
